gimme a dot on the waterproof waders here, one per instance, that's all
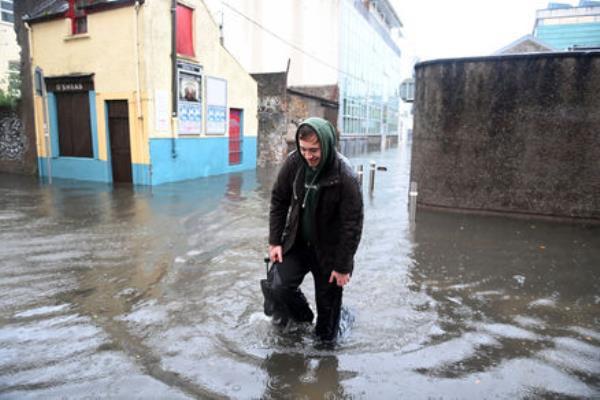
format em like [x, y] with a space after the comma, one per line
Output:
[291, 303]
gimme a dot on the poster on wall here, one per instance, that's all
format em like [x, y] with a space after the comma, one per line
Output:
[189, 105]
[161, 110]
[216, 105]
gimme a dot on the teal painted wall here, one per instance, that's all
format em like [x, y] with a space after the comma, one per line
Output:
[561, 37]
[84, 169]
[141, 174]
[80, 168]
[192, 157]
[196, 157]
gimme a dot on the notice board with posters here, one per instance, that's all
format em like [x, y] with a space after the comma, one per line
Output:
[216, 105]
[189, 104]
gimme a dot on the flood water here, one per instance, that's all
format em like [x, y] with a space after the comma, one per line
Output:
[153, 294]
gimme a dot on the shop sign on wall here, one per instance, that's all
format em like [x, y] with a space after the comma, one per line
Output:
[190, 98]
[70, 83]
[216, 105]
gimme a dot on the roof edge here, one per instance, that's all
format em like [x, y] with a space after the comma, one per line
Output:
[491, 58]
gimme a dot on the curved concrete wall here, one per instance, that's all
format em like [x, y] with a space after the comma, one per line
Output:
[511, 134]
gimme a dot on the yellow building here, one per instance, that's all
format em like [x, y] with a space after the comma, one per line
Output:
[120, 107]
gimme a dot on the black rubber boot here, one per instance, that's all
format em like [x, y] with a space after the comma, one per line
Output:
[329, 304]
[293, 304]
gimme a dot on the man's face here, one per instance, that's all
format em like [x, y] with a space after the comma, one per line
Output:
[310, 148]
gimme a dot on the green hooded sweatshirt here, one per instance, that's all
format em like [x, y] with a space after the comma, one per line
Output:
[326, 133]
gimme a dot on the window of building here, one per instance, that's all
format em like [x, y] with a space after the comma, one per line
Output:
[14, 78]
[7, 10]
[185, 29]
[78, 16]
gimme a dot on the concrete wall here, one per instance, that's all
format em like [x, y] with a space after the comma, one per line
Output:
[311, 101]
[314, 101]
[511, 134]
[306, 32]
[272, 118]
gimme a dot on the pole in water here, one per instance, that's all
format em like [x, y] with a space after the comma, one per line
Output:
[372, 176]
[360, 173]
[412, 201]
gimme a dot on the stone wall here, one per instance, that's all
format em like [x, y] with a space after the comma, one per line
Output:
[18, 151]
[511, 134]
[13, 142]
[282, 109]
[311, 101]
[272, 118]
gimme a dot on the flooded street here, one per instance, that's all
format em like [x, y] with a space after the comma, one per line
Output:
[154, 294]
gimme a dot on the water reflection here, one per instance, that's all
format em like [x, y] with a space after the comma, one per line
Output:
[296, 376]
[234, 187]
[117, 289]
[200, 195]
[528, 286]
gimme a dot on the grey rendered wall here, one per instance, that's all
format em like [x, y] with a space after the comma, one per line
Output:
[272, 118]
[511, 134]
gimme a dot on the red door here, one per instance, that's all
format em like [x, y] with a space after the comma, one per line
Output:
[235, 136]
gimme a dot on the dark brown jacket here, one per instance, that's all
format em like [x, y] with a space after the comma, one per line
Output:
[338, 215]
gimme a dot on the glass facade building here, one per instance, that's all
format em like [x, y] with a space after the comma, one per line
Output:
[569, 28]
[370, 74]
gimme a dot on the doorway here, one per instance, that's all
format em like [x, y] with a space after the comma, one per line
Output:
[235, 136]
[120, 148]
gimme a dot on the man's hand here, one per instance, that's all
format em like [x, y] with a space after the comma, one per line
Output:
[340, 279]
[275, 253]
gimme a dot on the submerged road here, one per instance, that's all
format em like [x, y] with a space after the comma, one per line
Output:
[153, 294]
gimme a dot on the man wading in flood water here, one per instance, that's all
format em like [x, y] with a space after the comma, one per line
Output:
[315, 225]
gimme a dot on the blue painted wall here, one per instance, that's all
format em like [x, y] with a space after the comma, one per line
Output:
[561, 37]
[196, 158]
[80, 168]
[141, 174]
[85, 169]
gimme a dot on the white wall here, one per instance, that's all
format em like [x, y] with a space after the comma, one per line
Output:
[305, 31]
[9, 51]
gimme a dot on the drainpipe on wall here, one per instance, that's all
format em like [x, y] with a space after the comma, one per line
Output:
[174, 91]
[136, 53]
[32, 73]
[141, 137]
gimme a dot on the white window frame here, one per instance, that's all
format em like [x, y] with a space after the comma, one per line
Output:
[5, 10]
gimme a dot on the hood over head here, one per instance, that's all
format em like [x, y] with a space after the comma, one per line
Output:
[326, 134]
[327, 137]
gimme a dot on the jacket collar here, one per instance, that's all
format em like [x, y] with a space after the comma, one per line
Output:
[330, 177]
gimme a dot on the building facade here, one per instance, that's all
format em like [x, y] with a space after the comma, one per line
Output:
[569, 28]
[351, 44]
[525, 44]
[370, 74]
[112, 104]
[9, 49]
